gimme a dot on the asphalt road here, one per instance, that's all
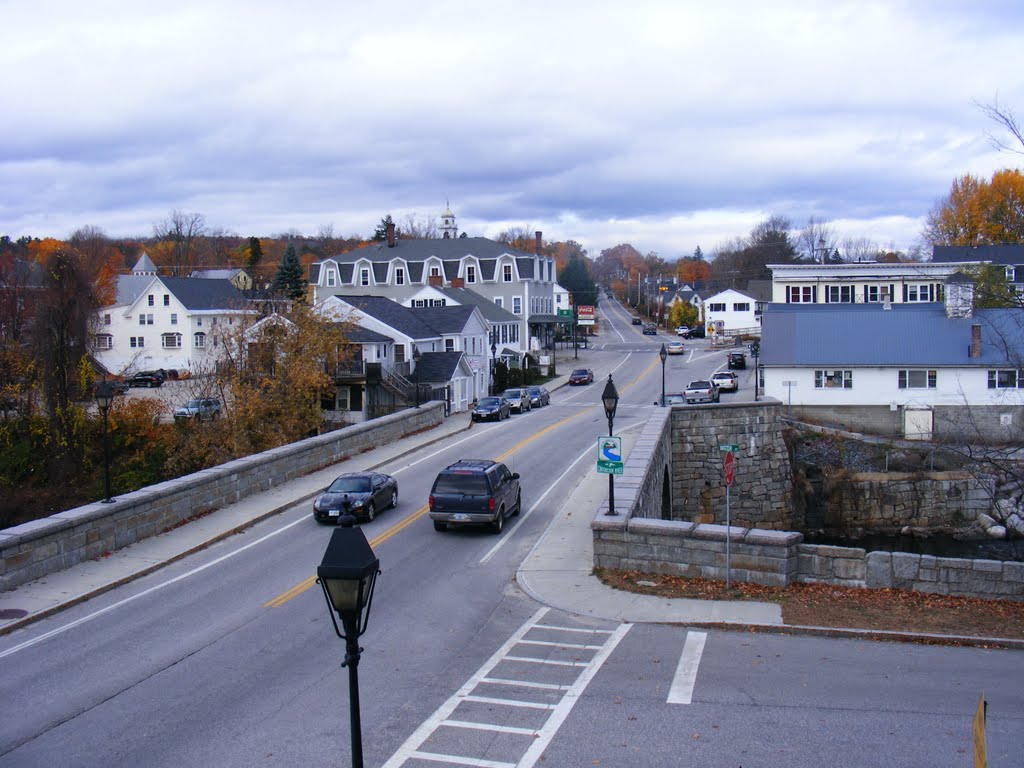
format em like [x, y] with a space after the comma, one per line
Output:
[228, 658]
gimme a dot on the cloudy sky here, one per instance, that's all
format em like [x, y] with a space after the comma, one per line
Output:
[666, 125]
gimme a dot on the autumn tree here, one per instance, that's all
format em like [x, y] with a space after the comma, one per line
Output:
[289, 279]
[273, 372]
[522, 238]
[60, 330]
[979, 212]
[99, 259]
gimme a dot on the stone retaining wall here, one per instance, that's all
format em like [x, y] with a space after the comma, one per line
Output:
[40, 547]
[780, 558]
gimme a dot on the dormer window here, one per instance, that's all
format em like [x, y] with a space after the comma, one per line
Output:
[332, 278]
[506, 273]
[1011, 274]
[470, 274]
[399, 276]
[364, 277]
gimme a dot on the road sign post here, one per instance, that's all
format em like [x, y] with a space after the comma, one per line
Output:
[729, 464]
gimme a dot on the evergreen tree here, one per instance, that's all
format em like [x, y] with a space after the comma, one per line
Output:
[576, 279]
[255, 253]
[289, 279]
[381, 232]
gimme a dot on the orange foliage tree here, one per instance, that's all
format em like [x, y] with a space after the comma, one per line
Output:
[979, 212]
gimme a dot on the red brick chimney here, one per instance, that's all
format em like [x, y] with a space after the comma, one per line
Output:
[975, 340]
[435, 280]
[391, 235]
[458, 282]
[537, 248]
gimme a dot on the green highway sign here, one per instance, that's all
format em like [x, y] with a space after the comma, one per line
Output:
[729, 447]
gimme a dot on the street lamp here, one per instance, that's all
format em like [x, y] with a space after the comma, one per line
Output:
[755, 350]
[494, 357]
[104, 399]
[663, 354]
[416, 371]
[610, 399]
[348, 574]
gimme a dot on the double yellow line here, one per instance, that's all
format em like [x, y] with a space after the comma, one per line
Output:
[302, 586]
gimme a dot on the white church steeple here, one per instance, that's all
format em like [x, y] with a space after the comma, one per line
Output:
[448, 228]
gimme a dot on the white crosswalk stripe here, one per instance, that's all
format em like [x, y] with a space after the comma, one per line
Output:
[513, 706]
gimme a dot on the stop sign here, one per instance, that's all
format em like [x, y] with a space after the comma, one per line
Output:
[729, 464]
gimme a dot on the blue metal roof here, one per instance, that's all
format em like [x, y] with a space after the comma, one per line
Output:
[836, 335]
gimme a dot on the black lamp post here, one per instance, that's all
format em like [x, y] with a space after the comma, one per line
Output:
[610, 399]
[104, 399]
[416, 371]
[348, 574]
[663, 354]
[755, 350]
[494, 357]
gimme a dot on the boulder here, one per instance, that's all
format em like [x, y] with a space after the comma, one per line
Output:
[996, 532]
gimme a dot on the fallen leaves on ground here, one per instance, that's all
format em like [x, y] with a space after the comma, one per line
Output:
[824, 605]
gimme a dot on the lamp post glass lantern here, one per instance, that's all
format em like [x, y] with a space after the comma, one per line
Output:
[348, 575]
[610, 400]
[663, 354]
[104, 399]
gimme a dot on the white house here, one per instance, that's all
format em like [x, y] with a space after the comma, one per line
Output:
[943, 370]
[164, 322]
[731, 311]
[862, 282]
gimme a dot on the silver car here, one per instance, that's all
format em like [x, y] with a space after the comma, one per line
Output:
[518, 398]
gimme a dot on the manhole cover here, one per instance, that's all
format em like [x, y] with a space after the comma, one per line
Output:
[12, 613]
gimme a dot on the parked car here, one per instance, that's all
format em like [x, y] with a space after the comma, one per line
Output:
[650, 330]
[694, 333]
[637, 321]
[726, 381]
[675, 348]
[701, 391]
[361, 493]
[737, 360]
[474, 492]
[581, 376]
[200, 409]
[495, 407]
[518, 398]
[146, 379]
[539, 396]
[682, 330]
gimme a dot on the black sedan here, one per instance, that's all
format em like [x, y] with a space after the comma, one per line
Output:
[361, 493]
[650, 330]
[496, 408]
[539, 396]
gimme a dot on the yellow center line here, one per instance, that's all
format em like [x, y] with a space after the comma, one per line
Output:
[302, 586]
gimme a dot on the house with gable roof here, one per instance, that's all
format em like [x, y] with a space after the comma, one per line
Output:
[519, 282]
[423, 336]
[164, 322]
[926, 370]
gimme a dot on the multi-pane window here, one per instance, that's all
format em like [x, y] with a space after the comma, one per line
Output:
[839, 294]
[152, 300]
[833, 379]
[918, 379]
[171, 340]
[399, 276]
[136, 342]
[106, 319]
[1006, 379]
[799, 294]
[919, 293]
[741, 306]
[470, 274]
[332, 278]
[104, 341]
[506, 273]
[364, 277]
[449, 345]
[499, 301]
[145, 319]
[517, 305]
[167, 300]
[174, 318]
[399, 353]
[199, 340]
[717, 306]
[435, 272]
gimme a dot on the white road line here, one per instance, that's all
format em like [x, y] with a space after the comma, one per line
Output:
[681, 691]
[508, 702]
[145, 592]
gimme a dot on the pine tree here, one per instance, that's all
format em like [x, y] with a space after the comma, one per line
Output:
[255, 253]
[381, 232]
[289, 279]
